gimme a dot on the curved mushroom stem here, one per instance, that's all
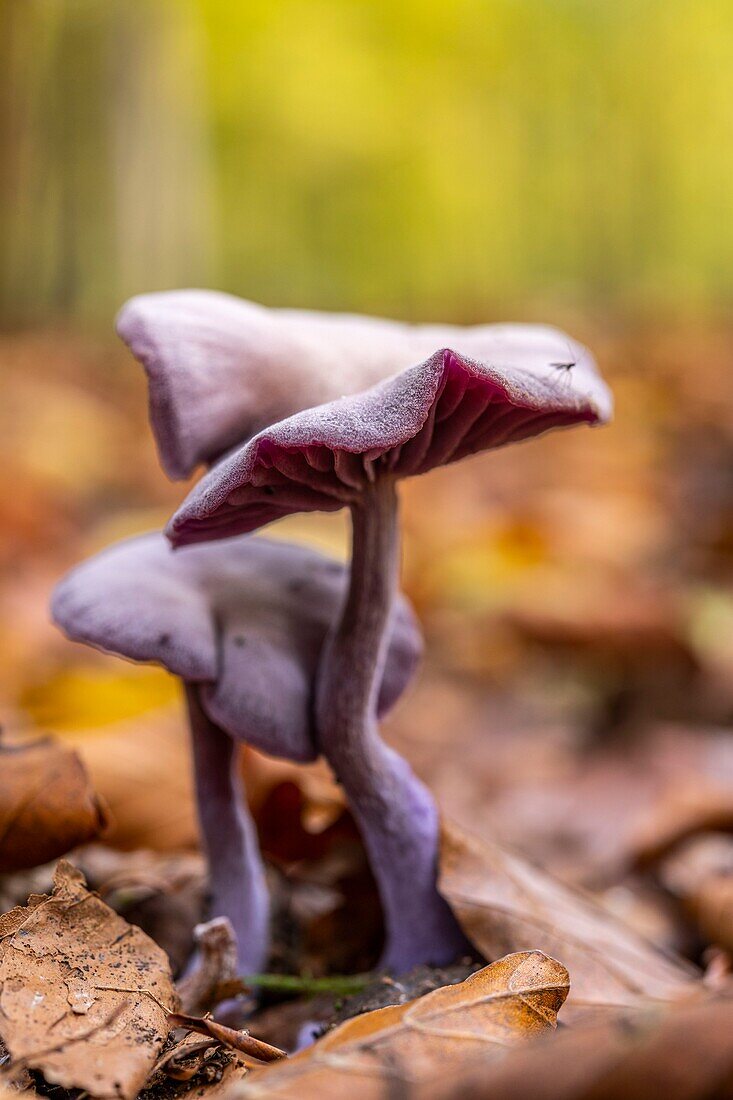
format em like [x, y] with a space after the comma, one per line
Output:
[393, 809]
[229, 839]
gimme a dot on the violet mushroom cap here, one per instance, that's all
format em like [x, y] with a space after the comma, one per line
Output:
[429, 415]
[220, 368]
[505, 384]
[242, 624]
[245, 619]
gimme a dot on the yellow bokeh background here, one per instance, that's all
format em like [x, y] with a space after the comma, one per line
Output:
[467, 160]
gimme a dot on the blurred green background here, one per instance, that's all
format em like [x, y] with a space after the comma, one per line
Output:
[415, 158]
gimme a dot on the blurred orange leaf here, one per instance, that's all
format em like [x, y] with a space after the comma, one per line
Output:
[142, 767]
[503, 901]
[47, 803]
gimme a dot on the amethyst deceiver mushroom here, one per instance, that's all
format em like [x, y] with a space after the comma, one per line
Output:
[242, 623]
[221, 368]
[500, 385]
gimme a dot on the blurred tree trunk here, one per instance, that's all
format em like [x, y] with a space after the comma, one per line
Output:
[104, 186]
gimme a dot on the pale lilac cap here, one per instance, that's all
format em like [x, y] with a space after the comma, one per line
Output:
[246, 619]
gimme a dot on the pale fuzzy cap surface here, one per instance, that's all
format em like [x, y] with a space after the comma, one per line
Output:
[220, 369]
[246, 619]
[431, 414]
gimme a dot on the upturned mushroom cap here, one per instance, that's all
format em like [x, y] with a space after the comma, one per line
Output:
[221, 369]
[246, 619]
[434, 413]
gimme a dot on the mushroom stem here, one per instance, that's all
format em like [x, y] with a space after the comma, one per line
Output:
[395, 812]
[229, 839]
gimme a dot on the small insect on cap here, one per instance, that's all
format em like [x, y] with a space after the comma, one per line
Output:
[246, 619]
[494, 386]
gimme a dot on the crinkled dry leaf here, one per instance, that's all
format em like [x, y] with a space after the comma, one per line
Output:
[47, 803]
[390, 1050]
[161, 892]
[679, 1053]
[502, 901]
[83, 995]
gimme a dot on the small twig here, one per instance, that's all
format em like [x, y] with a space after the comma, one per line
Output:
[240, 1041]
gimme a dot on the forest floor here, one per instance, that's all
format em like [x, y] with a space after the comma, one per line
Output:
[573, 717]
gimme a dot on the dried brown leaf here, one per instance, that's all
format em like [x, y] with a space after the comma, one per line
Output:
[84, 996]
[679, 1053]
[47, 803]
[164, 893]
[502, 901]
[404, 1046]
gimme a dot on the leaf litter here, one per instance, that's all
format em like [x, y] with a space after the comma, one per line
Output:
[679, 1054]
[84, 996]
[681, 1048]
[373, 1055]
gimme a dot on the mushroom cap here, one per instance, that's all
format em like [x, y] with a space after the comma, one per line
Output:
[431, 414]
[221, 369]
[246, 619]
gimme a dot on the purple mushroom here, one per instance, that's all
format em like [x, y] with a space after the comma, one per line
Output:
[502, 384]
[242, 624]
[221, 369]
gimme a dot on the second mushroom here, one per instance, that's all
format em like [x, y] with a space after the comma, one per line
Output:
[242, 624]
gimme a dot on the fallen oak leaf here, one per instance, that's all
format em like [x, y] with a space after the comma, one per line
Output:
[501, 901]
[47, 803]
[403, 1046]
[59, 955]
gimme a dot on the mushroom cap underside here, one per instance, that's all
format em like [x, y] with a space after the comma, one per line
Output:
[220, 369]
[429, 415]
